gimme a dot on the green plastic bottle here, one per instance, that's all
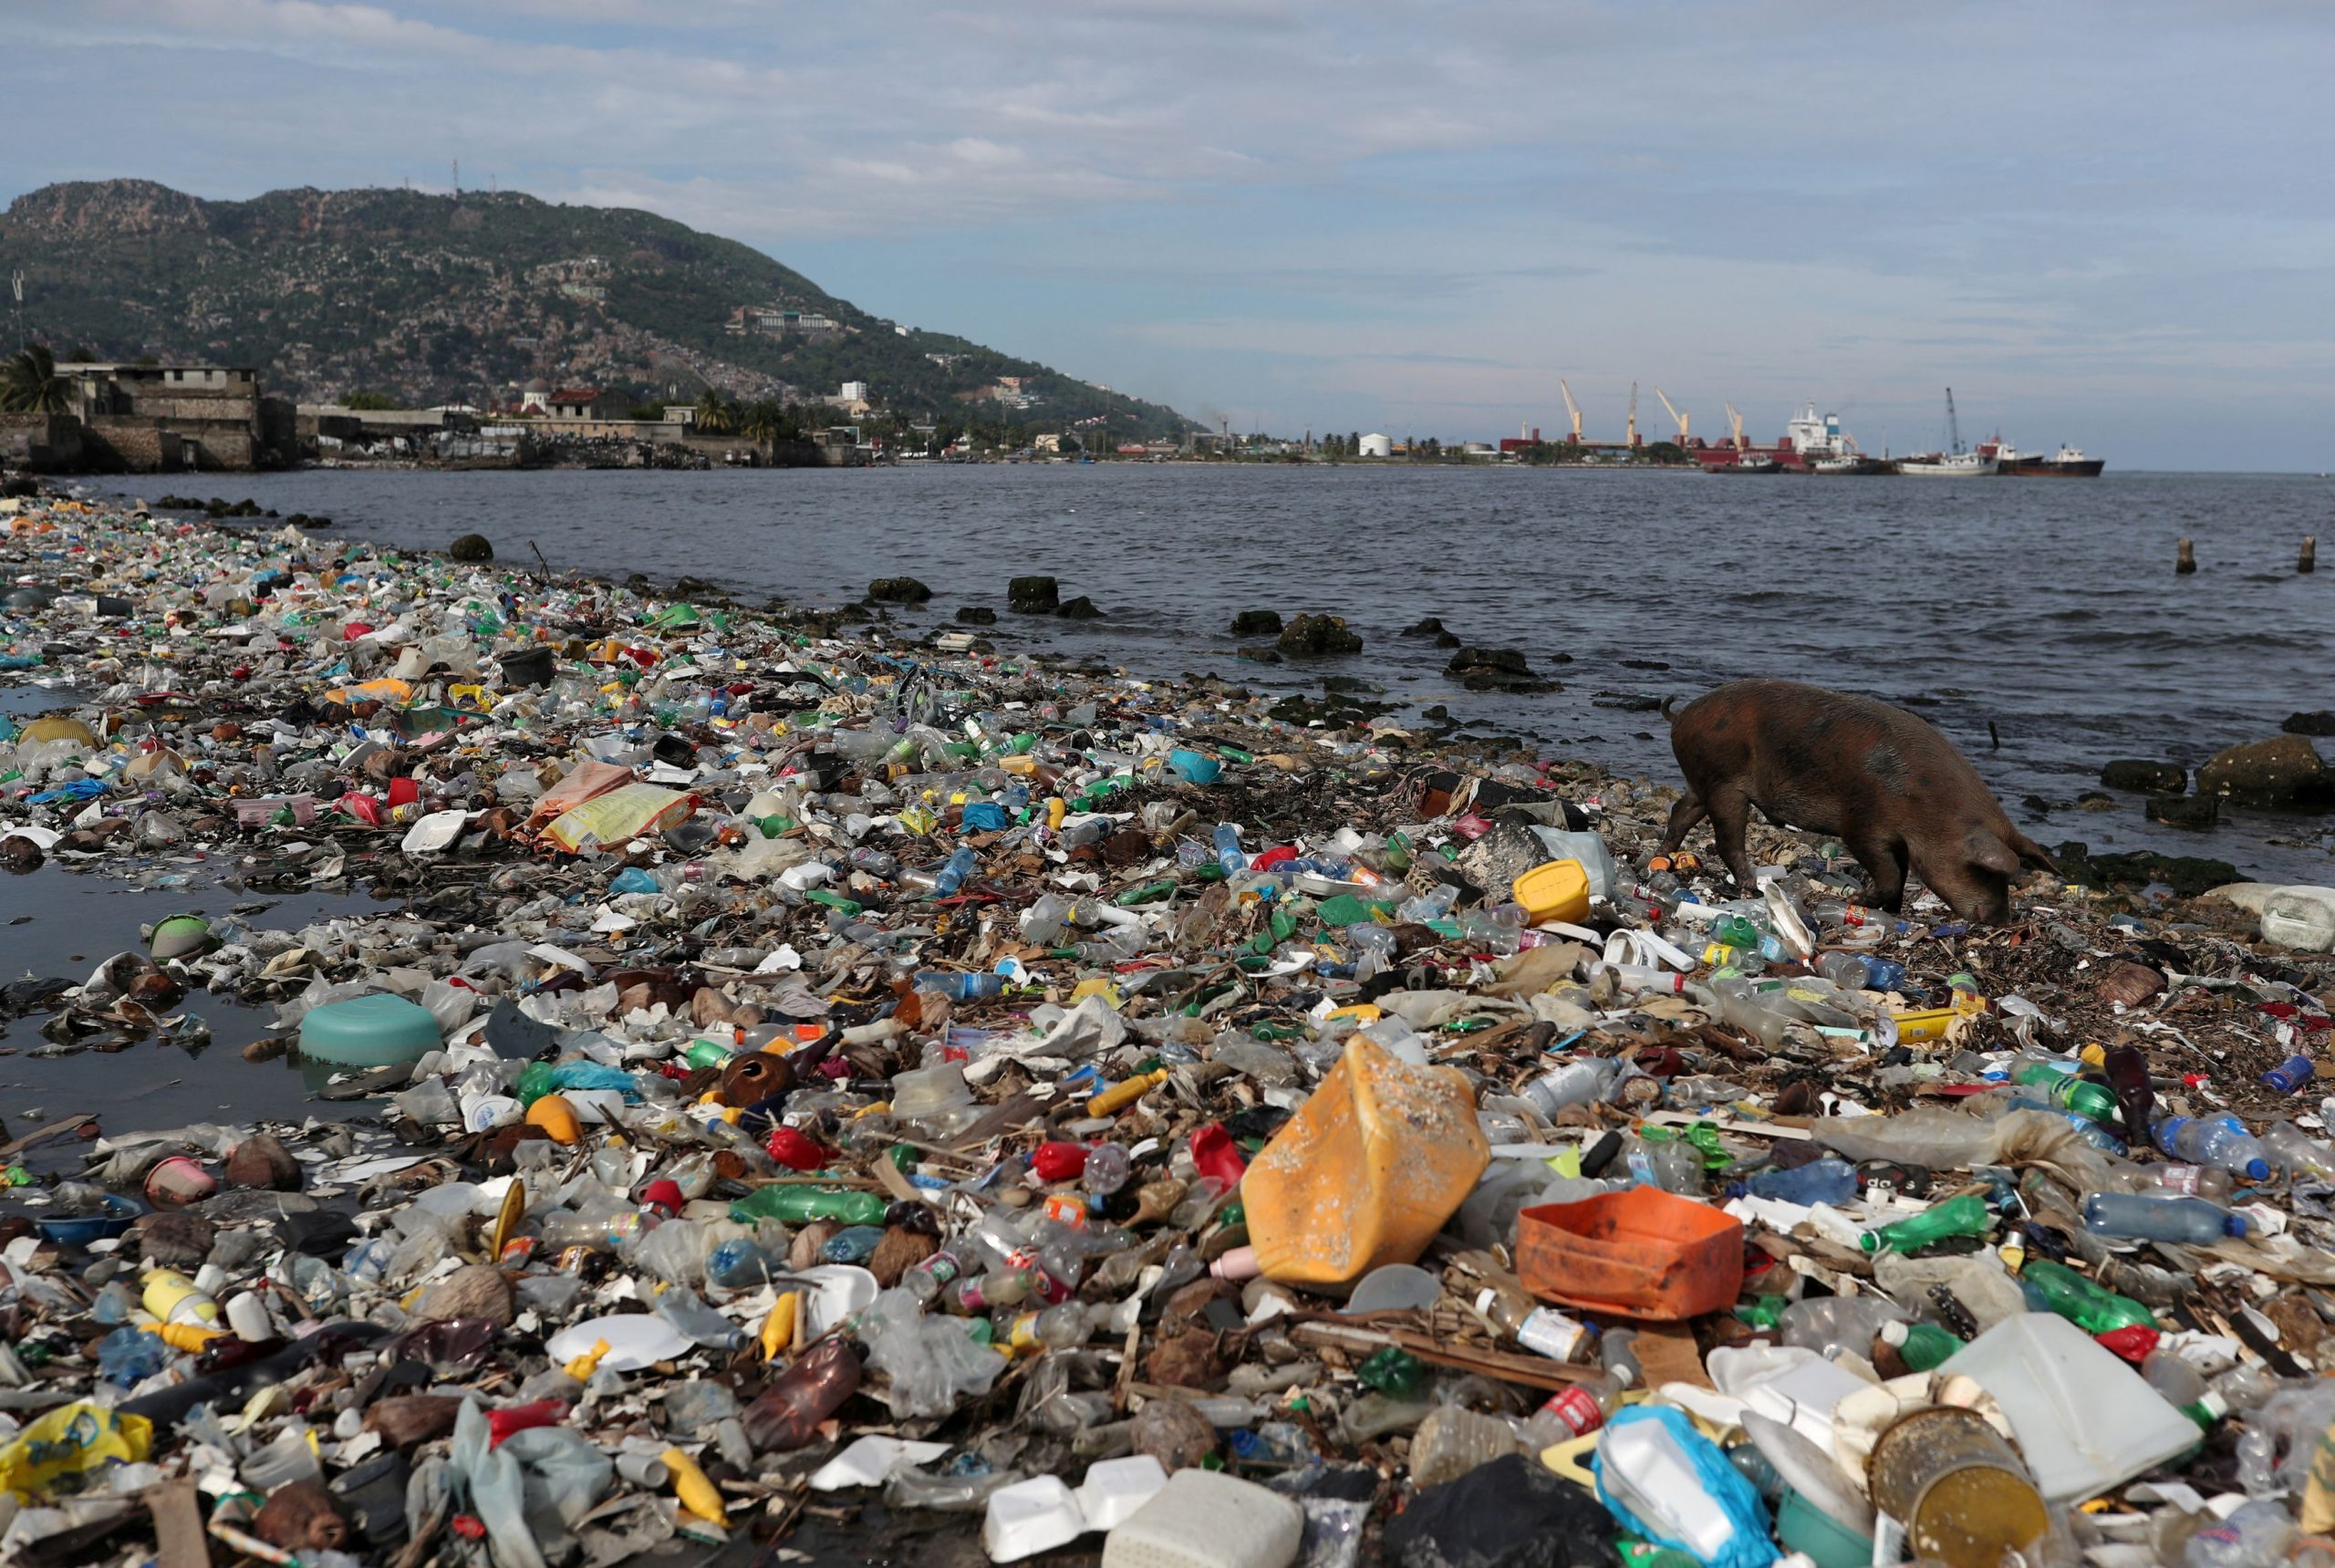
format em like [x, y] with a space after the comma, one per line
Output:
[1963, 1216]
[1920, 1346]
[1392, 1371]
[2055, 1287]
[2093, 1101]
[795, 1205]
[536, 1079]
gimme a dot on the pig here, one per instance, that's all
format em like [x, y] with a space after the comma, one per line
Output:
[1895, 790]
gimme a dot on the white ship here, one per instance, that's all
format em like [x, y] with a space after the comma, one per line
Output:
[1947, 465]
[1956, 464]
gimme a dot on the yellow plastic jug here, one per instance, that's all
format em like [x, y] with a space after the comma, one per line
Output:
[1555, 890]
[1367, 1170]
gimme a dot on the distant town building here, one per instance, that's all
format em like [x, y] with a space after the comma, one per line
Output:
[534, 398]
[854, 392]
[1376, 445]
[149, 418]
[588, 403]
[778, 321]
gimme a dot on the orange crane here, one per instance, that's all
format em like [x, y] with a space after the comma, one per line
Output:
[1571, 408]
[1673, 414]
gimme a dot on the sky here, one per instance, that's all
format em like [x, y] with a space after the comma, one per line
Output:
[2104, 223]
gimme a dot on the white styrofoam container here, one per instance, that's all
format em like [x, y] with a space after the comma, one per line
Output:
[1203, 1519]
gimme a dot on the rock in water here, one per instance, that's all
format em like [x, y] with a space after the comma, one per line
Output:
[2283, 771]
[1257, 623]
[1033, 595]
[898, 591]
[2151, 778]
[1315, 635]
[472, 547]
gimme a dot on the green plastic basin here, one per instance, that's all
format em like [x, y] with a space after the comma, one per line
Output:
[368, 1032]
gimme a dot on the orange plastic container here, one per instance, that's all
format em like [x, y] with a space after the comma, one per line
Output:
[1555, 890]
[1642, 1253]
[1367, 1170]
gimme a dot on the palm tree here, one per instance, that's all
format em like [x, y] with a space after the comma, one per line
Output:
[29, 383]
[717, 411]
[764, 422]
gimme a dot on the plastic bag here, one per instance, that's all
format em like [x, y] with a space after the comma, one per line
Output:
[932, 1362]
[1663, 1480]
[586, 782]
[624, 813]
[70, 1443]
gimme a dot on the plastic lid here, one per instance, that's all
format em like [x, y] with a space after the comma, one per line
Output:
[1895, 1333]
[2257, 1170]
[2235, 1224]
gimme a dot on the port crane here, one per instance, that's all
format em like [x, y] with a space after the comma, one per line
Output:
[1673, 414]
[1953, 425]
[1631, 430]
[1571, 408]
[1736, 421]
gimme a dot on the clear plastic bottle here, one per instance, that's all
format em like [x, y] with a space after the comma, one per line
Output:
[2198, 1180]
[2297, 1153]
[2183, 1387]
[2256, 1533]
[1617, 1353]
[1228, 849]
[2220, 1142]
[1577, 1411]
[1578, 1083]
[1829, 1325]
[953, 872]
[2149, 1217]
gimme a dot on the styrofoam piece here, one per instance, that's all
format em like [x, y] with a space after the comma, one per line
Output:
[635, 1340]
[2084, 1419]
[1203, 1519]
[1115, 1489]
[838, 1292]
[872, 1460]
[1030, 1517]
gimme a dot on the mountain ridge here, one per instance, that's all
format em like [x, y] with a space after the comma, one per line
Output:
[463, 297]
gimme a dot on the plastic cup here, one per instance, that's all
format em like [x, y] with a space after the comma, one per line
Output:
[179, 1181]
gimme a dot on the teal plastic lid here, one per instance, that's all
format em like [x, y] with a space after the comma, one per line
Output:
[379, 1031]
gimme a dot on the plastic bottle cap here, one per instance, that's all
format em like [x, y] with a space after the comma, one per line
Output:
[1895, 1333]
[2235, 1224]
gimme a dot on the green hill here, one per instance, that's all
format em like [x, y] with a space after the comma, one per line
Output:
[433, 299]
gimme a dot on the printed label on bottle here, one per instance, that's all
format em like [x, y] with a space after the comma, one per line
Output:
[1550, 1334]
[1577, 1410]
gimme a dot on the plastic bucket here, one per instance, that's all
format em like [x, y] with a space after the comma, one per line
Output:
[1958, 1486]
[1195, 768]
[379, 1031]
[177, 1182]
[1643, 1252]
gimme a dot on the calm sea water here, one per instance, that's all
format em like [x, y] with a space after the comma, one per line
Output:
[2047, 608]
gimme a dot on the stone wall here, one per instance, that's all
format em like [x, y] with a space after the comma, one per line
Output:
[43, 443]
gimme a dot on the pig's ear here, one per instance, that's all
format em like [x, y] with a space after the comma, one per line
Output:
[1992, 852]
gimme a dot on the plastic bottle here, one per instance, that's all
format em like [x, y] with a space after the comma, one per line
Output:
[1583, 1408]
[739, 1264]
[2298, 1153]
[788, 1413]
[1579, 1083]
[2218, 1143]
[953, 872]
[1228, 849]
[1831, 912]
[2096, 1102]
[2254, 1534]
[1963, 1216]
[2291, 1074]
[1829, 1324]
[1920, 1346]
[613, 1233]
[1107, 1165]
[2149, 1217]
[972, 986]
[2055, 1287]
[1826, 1180]
[2199, 1180]
[1617, 1353]
[2183, 1387]
[796, 1205]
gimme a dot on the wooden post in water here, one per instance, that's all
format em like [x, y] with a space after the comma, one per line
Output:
[2308, 562]
[2186, 562]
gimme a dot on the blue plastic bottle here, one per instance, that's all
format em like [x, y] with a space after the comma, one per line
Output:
[1228, 849]
[953, 872]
